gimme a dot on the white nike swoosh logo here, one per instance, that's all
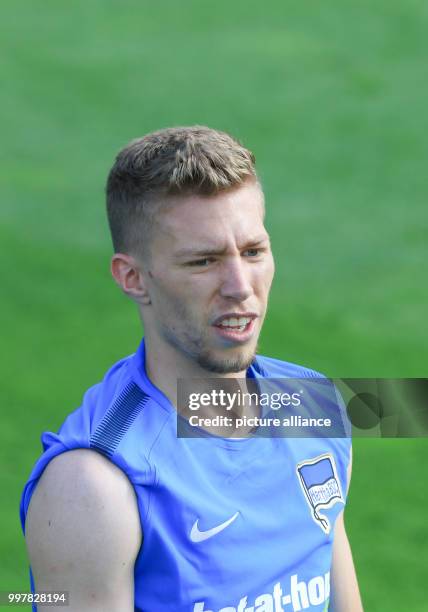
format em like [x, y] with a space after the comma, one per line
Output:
[199, 536]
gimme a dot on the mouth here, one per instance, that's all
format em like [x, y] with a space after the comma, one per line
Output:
[236, 327]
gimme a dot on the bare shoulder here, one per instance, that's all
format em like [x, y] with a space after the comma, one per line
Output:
[83, 531]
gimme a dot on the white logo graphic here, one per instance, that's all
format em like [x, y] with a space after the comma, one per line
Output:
[199, 536]
[301, 595]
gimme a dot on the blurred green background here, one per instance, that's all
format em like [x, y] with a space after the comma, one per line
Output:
[332, 98]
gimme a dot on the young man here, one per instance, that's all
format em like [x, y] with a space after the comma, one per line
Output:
[121, 512]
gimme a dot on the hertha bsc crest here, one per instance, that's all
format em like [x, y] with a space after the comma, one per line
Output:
[321, 486]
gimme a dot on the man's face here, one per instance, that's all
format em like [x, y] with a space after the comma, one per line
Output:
[210, 272]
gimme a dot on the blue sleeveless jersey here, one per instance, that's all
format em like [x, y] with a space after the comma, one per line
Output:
[230, 525]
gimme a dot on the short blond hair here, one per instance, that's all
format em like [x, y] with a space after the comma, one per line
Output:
[194, 160]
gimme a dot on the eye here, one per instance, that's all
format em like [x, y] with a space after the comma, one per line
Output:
[252, 252]
[200, 263]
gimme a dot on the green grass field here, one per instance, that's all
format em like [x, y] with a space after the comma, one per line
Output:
[332, 98]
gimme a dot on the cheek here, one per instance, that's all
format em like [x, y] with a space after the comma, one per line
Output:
[178, 304]
[264, 276]
[198, 289]
[270, 271]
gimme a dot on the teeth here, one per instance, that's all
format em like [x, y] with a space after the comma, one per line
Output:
[239, 324]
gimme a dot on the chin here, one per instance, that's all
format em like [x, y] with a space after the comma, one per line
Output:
[225, 365]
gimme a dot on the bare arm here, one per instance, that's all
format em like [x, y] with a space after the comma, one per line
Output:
[345, 594]
[83, 533]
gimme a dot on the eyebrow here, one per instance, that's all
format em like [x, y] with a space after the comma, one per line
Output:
[196, 252]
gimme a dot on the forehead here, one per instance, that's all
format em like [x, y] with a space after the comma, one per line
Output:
[225, 219]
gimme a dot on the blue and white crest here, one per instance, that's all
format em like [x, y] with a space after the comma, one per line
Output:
[321, 486]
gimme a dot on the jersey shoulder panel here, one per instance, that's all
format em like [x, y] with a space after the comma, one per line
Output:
[317, 385]
[111, 420]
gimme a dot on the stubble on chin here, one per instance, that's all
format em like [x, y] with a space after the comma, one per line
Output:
[195, 350]
[226, 365]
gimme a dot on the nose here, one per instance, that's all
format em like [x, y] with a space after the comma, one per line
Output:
[236, 281]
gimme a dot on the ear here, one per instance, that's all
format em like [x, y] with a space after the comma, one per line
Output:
[128, 274]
